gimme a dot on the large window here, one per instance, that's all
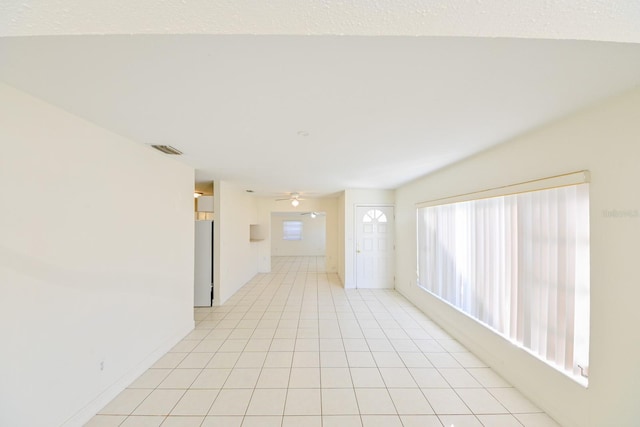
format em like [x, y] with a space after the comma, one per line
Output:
[518, 263]
[291, 230]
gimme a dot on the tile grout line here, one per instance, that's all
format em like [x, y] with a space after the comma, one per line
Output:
[394, 316]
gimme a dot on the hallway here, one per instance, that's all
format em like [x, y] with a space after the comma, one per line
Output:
[293, 349]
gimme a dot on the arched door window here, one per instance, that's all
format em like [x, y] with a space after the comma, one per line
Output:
[374, 215]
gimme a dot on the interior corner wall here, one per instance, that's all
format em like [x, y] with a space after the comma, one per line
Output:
[605, 140]
[341, 237]
[96, 262]
[352, 199]
[237, 257]
[328, 205]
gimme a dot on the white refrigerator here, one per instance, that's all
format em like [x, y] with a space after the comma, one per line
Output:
[203, 272]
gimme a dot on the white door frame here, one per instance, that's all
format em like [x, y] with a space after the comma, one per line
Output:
[355, 235]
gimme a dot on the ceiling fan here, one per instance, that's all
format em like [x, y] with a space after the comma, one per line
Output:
[313, 214]
[294, 198]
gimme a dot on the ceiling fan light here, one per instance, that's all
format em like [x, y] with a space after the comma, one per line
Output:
[295, 203]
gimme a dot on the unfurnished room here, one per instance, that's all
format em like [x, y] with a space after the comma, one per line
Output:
[319, 213]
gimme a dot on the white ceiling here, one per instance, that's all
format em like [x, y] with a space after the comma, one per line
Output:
[281, 111]
[379, 111]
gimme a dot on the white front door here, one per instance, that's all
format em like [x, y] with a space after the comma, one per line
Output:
[374, 247]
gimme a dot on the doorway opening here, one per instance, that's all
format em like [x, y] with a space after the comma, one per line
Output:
[299, 237]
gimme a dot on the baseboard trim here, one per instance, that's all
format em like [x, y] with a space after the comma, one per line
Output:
[87, 412]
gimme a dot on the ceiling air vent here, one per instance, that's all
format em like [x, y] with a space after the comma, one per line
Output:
[167, 149]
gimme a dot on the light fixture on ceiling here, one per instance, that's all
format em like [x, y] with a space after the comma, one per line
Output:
[294, 198]
[197, 194]
[313, 215]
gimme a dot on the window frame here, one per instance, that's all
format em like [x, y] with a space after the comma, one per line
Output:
[287, 233]
[576, 178]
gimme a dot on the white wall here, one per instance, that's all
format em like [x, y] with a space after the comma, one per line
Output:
[313, 241]
[235, 257]
[605, 140]
[352, 199]
[328, 205]
[96, 262]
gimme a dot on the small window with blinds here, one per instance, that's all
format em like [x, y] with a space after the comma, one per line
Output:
[516, 259]
[291, 230]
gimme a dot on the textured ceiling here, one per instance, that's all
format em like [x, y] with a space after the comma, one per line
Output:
[553, 19]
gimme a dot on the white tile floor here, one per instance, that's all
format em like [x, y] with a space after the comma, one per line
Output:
[293, 348]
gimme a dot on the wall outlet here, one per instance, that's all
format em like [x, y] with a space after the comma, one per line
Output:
[102, 365]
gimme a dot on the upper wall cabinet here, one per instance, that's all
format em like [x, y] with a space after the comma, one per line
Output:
[204, 208]
[205, 204]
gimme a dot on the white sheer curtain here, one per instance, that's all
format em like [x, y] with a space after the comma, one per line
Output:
[517, 263]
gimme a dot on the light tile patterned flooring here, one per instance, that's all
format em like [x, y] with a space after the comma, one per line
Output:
[294, 349]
